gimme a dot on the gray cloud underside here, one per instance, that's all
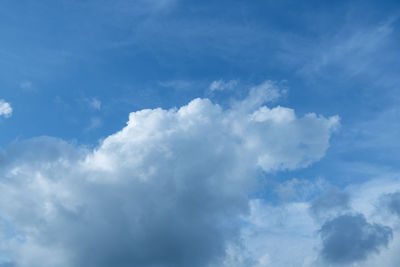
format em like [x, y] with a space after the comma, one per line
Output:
[392, 202]
[169, 189]
[349, 238]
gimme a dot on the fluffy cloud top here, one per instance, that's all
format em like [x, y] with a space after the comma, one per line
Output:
[5, 109]
[169, 189]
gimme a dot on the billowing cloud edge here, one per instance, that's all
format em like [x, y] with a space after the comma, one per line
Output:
[169, 189]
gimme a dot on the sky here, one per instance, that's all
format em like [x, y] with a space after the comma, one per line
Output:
[172, 133]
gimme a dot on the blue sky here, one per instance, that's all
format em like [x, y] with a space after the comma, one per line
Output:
[73, 71]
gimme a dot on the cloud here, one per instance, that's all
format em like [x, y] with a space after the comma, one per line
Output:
[355, 50]
[95, 103]
[221, 85]
[350, 238]
[331, 203]
[92, 103]
[272, 229]
[299, 189]
[392, 202]
[169, 189]
[5, 109]
[94, 123]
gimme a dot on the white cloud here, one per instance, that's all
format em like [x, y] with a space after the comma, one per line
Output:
[271, 231]
[352, 51]
[5, 109]
[274, 232]
[94, 103]
[169, 189]
[222, 85]
[94, 123]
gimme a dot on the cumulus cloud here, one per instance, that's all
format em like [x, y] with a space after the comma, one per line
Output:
[5, 109]
[349, 238]
[169, 189]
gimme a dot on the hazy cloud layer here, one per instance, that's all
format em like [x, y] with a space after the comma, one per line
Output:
[329, 204]
[169, 189]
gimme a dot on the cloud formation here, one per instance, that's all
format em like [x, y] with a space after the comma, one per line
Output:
[5, 109]
[349, 238]
[392, 202]
[272, 229]
[169, 189]
[95, 103]
[329, 204]
[222, 85]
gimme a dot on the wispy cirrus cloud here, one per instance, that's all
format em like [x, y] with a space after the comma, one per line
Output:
[352, 51]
